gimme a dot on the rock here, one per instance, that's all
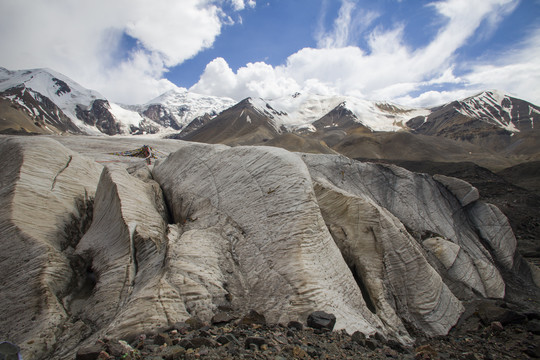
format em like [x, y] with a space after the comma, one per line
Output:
[195, 323]
[103, 356]
[90, 352]
[372, 343]
[162, 338]
[359, 338]
[299, 353]
[227, 338]
[295, 325]
[257, 341]
[197, 342]
[533, 351]
[496, 326]
[252, 318]
[9, 351]
[533, 326]
[425, 352]
[174, 352]
[321, 320]
[116, 349]
[490, 312]
[222, 318]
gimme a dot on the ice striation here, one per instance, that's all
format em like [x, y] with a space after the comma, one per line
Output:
[116, 251]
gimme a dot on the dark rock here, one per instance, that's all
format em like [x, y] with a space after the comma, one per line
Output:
[9, 351]
[197, 342]
[115, 349]
[227, 338]
[489, 312]
[321, 320]
[359, 338]
[195, 323]
[186, 344]
[380, 337]
[204, 333]
[90, 352]
[533, 351]
[258, 341]
[396, 345]
[173, 353]
[425, 352]
[372, 343]
[295, 325]
[222, 318]
[533, 326]
[182, 327]
[103, 356]
[100, 116]
[253, 318]
[162, 338]
[496, 326]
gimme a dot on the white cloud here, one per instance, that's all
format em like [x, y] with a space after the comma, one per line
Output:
[432, 97]
[388, 69]
[517, 72]
[347, 26]
[238, 4]
[82, 39]
[255, 79]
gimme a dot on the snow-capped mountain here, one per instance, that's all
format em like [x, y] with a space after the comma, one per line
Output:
[304, 109]
[479, 117]
[53, 103]
[501, 110]
[177, 108]
[45, 101]
[249, 121]
[57, 101]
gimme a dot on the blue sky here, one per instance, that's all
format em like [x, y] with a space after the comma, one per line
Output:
[418, 53]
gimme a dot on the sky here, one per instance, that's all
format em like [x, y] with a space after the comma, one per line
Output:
[411, 52]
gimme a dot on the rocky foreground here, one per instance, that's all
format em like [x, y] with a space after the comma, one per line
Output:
[493, 330]
[95, 251]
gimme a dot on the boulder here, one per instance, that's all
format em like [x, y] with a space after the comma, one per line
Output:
[321, 320]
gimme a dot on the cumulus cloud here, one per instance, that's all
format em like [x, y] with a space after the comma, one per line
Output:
[254, 79]
[84, 40]
[241, 4]
[388, 69]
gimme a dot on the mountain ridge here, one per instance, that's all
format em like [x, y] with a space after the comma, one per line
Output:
[56, 104]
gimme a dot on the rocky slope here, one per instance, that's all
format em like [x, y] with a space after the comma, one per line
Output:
[118, 251]
[490, 119]
[56, 103]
